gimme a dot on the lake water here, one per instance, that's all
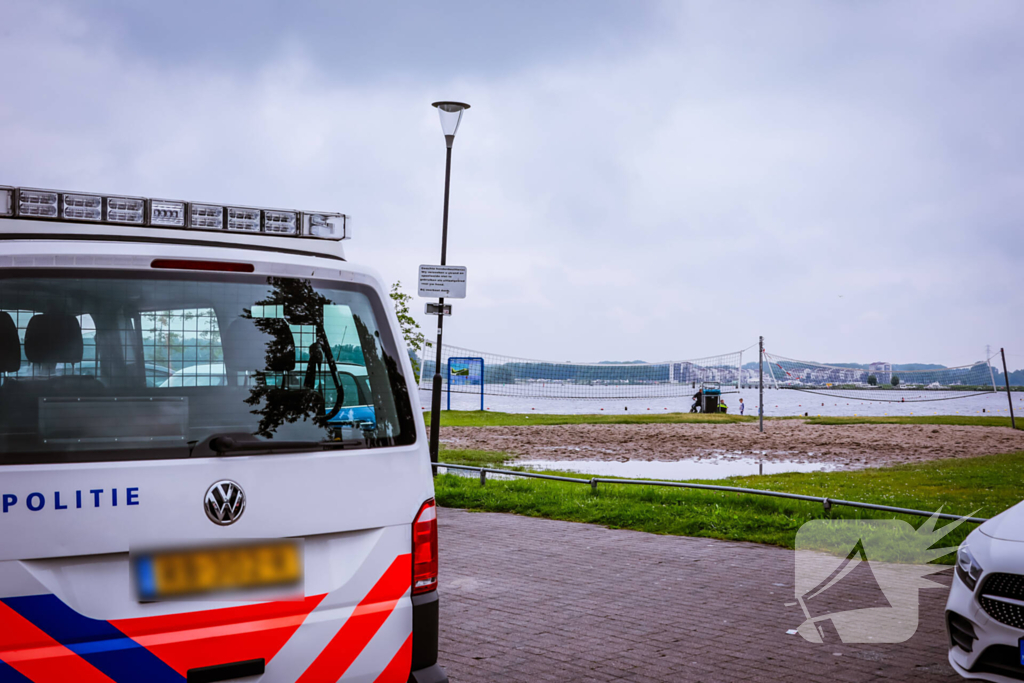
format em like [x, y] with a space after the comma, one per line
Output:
[778, 402]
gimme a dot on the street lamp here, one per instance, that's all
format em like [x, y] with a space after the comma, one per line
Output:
[451, 115]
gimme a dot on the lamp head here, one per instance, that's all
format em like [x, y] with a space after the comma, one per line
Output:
[451, 115]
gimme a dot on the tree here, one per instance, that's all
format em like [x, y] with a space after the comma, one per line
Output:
[872, 380]
[414, 339]
[895, 381]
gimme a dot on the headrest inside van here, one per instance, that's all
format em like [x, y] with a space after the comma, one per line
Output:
[53, 338]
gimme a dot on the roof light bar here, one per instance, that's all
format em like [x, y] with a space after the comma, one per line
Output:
[166, 213]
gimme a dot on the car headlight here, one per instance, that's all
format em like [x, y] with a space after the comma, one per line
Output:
[967, 568]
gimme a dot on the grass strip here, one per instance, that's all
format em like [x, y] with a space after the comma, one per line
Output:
[475, 458]
[488, 418]
[983, 486]
[967, 420]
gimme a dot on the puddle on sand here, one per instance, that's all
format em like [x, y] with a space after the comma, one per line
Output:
[706, 468]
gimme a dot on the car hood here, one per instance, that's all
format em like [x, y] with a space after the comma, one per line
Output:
[1007, 525]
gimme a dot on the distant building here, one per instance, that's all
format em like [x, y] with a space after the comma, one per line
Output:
[882, 371]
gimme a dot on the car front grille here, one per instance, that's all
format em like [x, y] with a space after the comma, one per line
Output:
[1002, 596]
[1005, 586]
[1003, 660]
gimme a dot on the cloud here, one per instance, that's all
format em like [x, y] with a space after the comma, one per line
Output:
[844, 180]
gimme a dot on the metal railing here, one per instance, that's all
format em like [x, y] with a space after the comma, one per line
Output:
[826, 502]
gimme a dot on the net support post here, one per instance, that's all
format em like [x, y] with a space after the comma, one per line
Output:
[760, 383]
[1006, 380]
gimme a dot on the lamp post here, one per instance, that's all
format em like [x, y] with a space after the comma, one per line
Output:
[451, 115]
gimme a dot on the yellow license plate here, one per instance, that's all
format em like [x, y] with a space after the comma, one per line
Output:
[179, 573]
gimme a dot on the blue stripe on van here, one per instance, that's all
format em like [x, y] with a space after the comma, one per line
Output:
[8, 674]
[94, 640]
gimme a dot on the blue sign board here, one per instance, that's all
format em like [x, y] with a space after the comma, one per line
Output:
[466, 372]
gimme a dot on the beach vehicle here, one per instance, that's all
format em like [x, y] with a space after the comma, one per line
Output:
[985, 608]
[267, 515]
[708, 399]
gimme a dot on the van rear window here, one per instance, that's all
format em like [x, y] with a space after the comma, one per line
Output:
[135, 365]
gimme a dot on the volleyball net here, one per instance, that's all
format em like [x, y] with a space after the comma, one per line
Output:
[469, 371]
[885, 382]
[477, 372]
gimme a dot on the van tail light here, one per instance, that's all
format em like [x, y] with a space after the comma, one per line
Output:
[424, 549]
[180, 264]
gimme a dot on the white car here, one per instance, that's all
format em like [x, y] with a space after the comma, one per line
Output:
[985, 609]
[205, 375]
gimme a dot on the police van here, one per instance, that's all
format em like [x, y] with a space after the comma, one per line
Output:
[269, 514]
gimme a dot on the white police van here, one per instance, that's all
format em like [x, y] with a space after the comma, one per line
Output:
[274, 522]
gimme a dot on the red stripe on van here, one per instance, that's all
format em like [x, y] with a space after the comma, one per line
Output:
[401, 664]
[367, 618]
[37, 656]
[232, 634]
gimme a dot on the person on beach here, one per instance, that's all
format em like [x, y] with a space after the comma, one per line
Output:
[741, 406]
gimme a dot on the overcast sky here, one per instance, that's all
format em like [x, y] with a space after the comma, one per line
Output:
[635, 180]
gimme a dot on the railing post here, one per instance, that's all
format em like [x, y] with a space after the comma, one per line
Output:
[483, 477]
[593, 485]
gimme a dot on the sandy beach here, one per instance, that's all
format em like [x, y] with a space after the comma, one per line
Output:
[845, 446]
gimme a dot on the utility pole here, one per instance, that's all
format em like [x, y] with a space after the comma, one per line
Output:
[451, 115]
[435, 389]
[760, 383]
[1006, 380]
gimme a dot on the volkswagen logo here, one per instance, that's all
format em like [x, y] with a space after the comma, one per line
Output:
[225, 502]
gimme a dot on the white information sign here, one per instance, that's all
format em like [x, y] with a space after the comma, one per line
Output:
[447, 282]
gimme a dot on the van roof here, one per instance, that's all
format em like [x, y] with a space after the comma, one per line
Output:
[27, 213]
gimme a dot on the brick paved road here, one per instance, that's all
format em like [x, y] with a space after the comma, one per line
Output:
[538, 600]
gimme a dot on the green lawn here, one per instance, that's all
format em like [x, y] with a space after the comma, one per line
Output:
[474, 458]
[488, 418]
[976, 420]
[980, 486]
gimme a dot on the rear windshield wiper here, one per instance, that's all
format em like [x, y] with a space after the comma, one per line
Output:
[224, 445]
